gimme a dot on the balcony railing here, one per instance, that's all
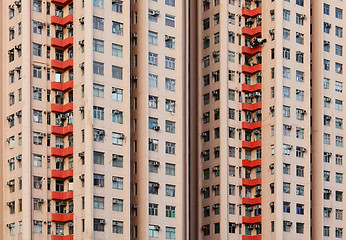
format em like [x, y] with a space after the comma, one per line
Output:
[62, 174]
[68, 107]
[58, 237]
[68, 129]
[61, 2]
[62, 152]
[62, 65]
[251, 32]
[58, 217]
[62, 195]
[251, 220]
[252, 201]
[246, 12]
[254, 237]
[62, 43]
[62, 87]
[252, 88]
[251, 164]
[251, 107]
[251, 69]
[63, 21]
[251, 182]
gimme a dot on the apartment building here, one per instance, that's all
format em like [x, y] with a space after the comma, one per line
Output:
[172, 119]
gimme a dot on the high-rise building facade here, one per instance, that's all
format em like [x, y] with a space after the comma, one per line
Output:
[172, 119]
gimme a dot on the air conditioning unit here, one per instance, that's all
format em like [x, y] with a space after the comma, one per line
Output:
[155, 13]
[215, 73]
[215, 168]
[214, 187]
[40, 25]
[19, 157]
[10, 204]
[70, 224]
[258, 188]
[81, 177]
[10, 51]
[215, 53]
[271, 108]
[271, 31]
[207, 114]
[9, 225]
[204, 134]
[156, 163]
[250, 227]
[81, 65]
[289, 223]
[304, 149]
[204, 189]
[122, 136]
[102, 221]
[134, 35]
[11, 72]
[271, 204]
[81, 20]
[63, 203]
[41, 200]
[157, 227]
[10, 183]
[10, 160]
[18, 47]
[327, 99]
[156, 128]
[115, 200]
[156, 185]
[81, 108]
[81, 154]
[204, 153]
[271, 166]
[58, 28]
[290, 146]
[289, 127]
[256, 132]
[214, 93]
[250, 208]
[18, 69]
[134, 206]
[18, 3]
[69, 26]
[215, 206]
[59, 93]
[81, 42]
[205, 227]
[134, 77]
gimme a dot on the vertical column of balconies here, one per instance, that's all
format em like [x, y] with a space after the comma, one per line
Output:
[253, 119]
[63, 126]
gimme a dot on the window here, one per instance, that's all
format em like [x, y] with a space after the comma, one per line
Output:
[99, 158]
[286, 34]
[99, 180]
[118, 205]
[326, 83]
[300, 19]
[326, 27]
[98, 68]
[170, 106]
[117, 183]
[37, 27]
[98, 3]
[338, 196]
[154, 188]
[286, 53]
[37, 5]
[169, 41]
[326, 64]
[153, 59]
[98, 90]
[37, 182]
[117, 28]
[170, 211]
[338, 86]
[153, 80]
[286, 111]
[37, 116]
[326, 231]
[99, 225]
[117, 94]
[286, 92]
[169, 63]
[117, 6]
[326, 9]
[170, 169]
[99, 113]
[299, 38]
[286, 72]
[326, 176]
[300, 228]
[169, 20]
[98, 23]
[118, 139]
[300, 114]
[37, 160]
[338, 50]
[286, 187]
[338, 123]
[338, 105]
[37, 226]
[339, 141]
[99, 202]
[338, 232]
[152, 38]
[338, 159]
[338, 13]
[286, 168]
[98, 46]
[287, 226]
[338, 214]
[37, 71]
[118, 227]
[153, 145]
[300, 171]
[286, 14]
[299, 76]
[338, 177]
[153, 231]
[286, 207]
[37, 49]
[299, 95]
[153, 209]
[154, 166]
[170, 190]
[153, 15]
[338, 31]
[170, 84]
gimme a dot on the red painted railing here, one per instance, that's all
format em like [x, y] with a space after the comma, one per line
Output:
[251, 126]
[62, 195]
[251, 88]
[62, 43]
[62, 152]
[251, 32]
[251, 13]
[251, 69]
[251, 182]
[61, 2]
[251, 51]
[62, 65]
[252, 164]
[255, 237]
[62, 87]
[62, 130]
[251, 220]
[251, 106]
[68, 107]
[62, 174]
[62, 21]
[58, 237]
[58, 217]
[251, 201]
[251, 145]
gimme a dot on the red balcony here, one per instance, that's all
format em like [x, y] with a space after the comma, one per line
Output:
[58, 237]
[62, 65]
[62, 87]
[68, 107]
[62, 130]
[251, 201]
[62, 152]
[251, 51]
[252, 125]
[62, 195]
[251, 107]
[62, 43]
[62, 2]
[251, 13]
[251, 69]
[251, 164]
[251, 182]
[255, 237]
[62, 174]
[58, 217]
[252, 220]
[62, 21]
[252, 145]
[251, 32]
[251, 88]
